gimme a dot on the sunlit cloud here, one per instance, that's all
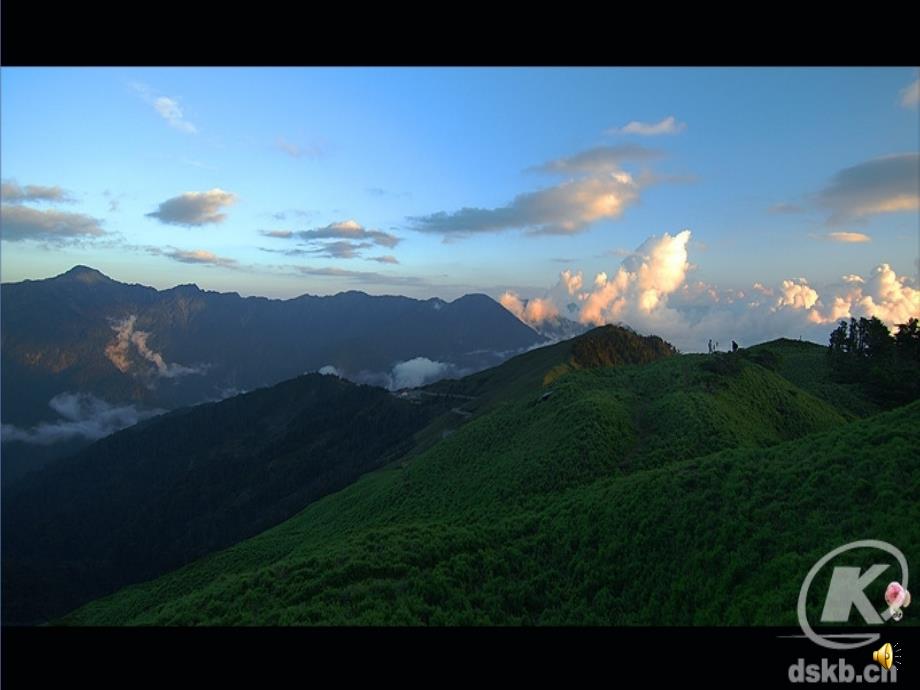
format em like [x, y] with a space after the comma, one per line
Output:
[349, 230]
[565, 209]
[882, 185]
[652, 292]
[195, 208]
[20, 223]
[12, 193]
[849, 237]
[194, 256]
[668, 125]
[601, 159]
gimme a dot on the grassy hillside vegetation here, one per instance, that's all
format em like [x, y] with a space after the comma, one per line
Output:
[153, 497]
[688, 490]
[807, 366]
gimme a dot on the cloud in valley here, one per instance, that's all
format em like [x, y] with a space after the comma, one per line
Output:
[195, 208]
[417, 372]
[129, 340]
[80, 416]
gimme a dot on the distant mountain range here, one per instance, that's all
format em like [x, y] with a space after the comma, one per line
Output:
[84, 355]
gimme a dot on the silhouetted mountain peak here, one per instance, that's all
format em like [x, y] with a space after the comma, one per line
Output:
[85, 274]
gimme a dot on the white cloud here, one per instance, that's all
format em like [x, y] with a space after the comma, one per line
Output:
[417, 372]
[565, 209]
[194, 208]
[194, 256]
[19, 223]
[668, 125]
[533, 312]
[650, 291]
[882, 185]
[849, 237]
[910, 94]
[349, 230]
[170, 110]
[330, 370]
[798, 295]
[81, 416]
[572, 281]
[12, 193]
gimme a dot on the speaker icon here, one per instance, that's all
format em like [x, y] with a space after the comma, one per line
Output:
[884, 655]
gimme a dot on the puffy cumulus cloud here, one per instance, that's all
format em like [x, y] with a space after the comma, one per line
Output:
[195, 208]
[572, 281]
[882, 185]
[565, 209]
[849, 237]
[533, 311]
[330, 370]
[128, 338]
[799, 295]
[651, 292]
[20, 223]
[12, 193]
[80, 415]
[892, 298]
[417, 372]
[910, 94]
[669, 125]
[645, 277]
[349, 230]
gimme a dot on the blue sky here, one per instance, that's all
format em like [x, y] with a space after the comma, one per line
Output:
[304, 149]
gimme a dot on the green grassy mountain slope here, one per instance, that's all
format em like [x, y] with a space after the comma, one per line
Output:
[807, 366]
[153, 497]
[670, 492]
